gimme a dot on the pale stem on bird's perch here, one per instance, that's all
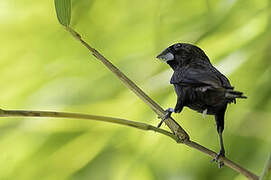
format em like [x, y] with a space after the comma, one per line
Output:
[139, 125]
[171, 123]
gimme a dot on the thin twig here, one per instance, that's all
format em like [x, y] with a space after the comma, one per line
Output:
[267, 170]
[226, 161]
[171, 123]
[138, 125]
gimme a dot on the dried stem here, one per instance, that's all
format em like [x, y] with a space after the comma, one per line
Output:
[171, 123]
[226, 161]
[138, 125]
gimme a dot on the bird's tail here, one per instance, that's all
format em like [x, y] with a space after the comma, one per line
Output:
[231, 95]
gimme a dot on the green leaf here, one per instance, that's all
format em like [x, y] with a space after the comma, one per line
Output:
[63, 11]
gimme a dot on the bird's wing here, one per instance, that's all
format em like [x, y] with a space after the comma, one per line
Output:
[200, 76]
[224, 80]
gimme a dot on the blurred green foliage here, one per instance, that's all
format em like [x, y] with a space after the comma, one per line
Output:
[43, 68]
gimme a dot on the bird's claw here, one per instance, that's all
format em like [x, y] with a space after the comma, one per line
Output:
[169, 111]
[216, 159]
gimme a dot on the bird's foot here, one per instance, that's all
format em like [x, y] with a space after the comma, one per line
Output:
[216, 159]
[169, 111]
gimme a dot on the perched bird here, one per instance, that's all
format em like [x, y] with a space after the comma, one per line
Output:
[199, 85]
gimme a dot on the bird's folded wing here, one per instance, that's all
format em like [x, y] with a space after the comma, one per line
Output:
[200, 77]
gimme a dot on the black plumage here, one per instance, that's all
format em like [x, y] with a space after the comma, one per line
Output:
[199, 85]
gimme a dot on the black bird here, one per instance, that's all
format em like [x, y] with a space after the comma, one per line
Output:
[199, 85]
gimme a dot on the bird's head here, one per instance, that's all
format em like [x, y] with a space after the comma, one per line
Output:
[181, 54]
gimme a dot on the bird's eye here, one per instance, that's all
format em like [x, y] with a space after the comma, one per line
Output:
[177, 46]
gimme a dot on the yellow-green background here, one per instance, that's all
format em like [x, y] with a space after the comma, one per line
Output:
[43, 68]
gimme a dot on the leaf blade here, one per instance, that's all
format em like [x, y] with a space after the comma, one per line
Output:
[63, 11]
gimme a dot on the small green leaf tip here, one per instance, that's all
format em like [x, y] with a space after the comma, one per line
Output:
[63, 11]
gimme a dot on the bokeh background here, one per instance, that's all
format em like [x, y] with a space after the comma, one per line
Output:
[43, 68]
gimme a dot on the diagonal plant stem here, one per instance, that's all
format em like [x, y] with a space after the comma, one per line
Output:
[170, 122]
[226, 161]
[138, 125]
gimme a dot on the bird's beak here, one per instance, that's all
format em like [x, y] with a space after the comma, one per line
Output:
[165, 56]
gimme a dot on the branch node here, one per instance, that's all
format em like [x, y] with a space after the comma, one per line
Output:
[179, 140]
